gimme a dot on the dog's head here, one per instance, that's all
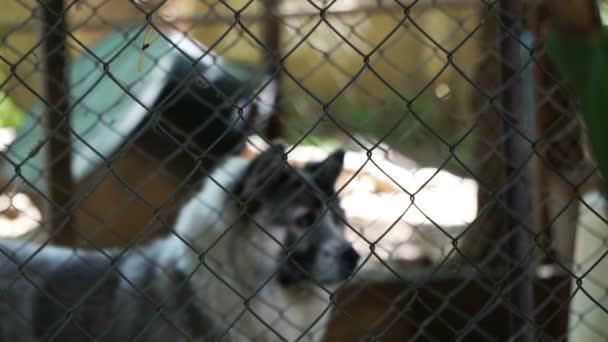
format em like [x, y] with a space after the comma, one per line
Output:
[297, 209]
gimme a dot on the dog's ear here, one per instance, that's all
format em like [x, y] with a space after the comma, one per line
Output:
[326, 172]
[264, 171]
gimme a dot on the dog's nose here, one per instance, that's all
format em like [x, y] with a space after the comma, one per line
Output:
[350, 255]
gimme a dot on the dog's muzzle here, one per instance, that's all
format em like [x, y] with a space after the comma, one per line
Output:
[349, 259]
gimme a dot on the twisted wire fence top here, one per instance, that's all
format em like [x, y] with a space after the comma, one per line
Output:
[162, 92]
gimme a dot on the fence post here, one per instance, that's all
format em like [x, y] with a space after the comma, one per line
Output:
[272, 39]
[488, 151]
[57, 124]
[518, 192]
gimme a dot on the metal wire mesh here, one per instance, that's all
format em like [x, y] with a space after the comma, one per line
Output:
[466, 188]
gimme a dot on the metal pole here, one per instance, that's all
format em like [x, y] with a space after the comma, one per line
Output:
[56, 93]
[518, 195]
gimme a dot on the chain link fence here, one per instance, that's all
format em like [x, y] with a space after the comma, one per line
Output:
[466, 189]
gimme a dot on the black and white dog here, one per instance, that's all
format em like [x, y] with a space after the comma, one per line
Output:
[254, 256]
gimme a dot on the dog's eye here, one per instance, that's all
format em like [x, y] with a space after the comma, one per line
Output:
[306, 220]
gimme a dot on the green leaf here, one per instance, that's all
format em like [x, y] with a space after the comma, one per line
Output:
[583, 63]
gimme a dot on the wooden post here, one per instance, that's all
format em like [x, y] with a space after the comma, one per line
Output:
[479, 242]
[561, 144]
[57, 121]
[272, 40]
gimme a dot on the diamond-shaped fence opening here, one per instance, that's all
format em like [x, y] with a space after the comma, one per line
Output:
[282, 170]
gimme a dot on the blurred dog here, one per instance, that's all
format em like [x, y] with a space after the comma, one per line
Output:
[254, 256]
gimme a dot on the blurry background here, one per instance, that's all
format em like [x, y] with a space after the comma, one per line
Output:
[410, 58]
